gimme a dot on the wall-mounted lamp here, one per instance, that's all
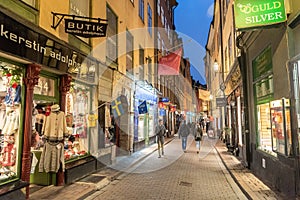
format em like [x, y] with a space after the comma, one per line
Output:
[216, 66]
[232, 103]
[148, 59]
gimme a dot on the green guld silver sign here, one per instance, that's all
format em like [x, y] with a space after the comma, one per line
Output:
[257, 13]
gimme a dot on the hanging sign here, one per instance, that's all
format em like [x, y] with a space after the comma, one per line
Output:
[221, 102]
[85, 28]
[143, 108]
[80, 25]
[252, 14]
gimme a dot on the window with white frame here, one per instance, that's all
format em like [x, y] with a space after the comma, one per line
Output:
[162, 17]
[129, 52]
[141, 68]
[149, 70]
[230, 53]
[163, 48]
[111, 32]
[141, 9]
[80, 8]
[149, 19]
[158, 41]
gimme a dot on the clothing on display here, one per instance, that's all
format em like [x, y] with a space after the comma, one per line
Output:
[10, 106]
[55, 126]
[54, 131]
[76, 116]
[52, 157]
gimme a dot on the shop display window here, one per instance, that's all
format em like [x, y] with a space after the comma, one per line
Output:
[45, 95]
[141, 124]
[264, 128]
[274, 128]
[10, 109]
[77, 113]
[281, 131]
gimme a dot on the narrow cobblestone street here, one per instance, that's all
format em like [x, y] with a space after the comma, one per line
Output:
[177, 175]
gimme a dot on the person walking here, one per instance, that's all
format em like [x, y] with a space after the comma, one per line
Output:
[198, 133]
[160, 132]
[183, 132]
[207, 124]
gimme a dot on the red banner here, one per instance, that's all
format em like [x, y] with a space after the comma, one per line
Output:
[169, 64]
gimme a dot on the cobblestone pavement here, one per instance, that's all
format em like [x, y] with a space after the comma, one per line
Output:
[177, 175]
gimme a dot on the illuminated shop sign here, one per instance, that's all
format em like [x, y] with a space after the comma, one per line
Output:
[252, 14]
[19, 40]
[164, 99]
[85, 28]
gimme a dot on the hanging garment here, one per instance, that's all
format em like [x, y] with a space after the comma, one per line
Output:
[33, 163]
[11, 123]
[13, 96]
[52, 157]
[55, 126]
[39, 122]
[69, 103]
[80, 106]
[2, 118]
[80, 126]
[8, 155]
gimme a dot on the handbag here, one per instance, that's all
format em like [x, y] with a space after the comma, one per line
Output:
[198, 138]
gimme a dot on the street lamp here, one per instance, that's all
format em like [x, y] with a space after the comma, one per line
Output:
[216, 66]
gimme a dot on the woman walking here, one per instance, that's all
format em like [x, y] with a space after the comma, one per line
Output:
[198, 136]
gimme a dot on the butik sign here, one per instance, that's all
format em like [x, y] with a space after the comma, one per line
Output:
[251, 14]
[85, 28]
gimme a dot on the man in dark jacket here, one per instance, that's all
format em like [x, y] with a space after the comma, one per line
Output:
[183, 133]
[160, 132]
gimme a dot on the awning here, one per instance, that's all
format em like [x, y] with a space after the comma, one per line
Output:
[204, 95]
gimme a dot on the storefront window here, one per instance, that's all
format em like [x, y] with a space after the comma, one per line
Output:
[264, 127]
[281, 131]
[77, 113]
[10, 109]
[274, 127]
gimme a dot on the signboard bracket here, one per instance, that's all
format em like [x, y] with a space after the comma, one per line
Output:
[60, 18]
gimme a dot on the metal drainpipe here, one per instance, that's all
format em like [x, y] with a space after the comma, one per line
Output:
[222, 86]
[242, 65]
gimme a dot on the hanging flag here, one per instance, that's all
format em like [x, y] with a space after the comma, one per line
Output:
[117, 107]
[169, 64]
[143, 108]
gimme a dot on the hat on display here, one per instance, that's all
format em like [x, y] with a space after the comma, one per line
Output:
[55, 107]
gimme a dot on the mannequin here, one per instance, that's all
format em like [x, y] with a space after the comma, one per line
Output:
[54, 129]
[55, 126]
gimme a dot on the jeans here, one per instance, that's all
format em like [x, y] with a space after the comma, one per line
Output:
[198, 145]
[160, 147]
[183, 142]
